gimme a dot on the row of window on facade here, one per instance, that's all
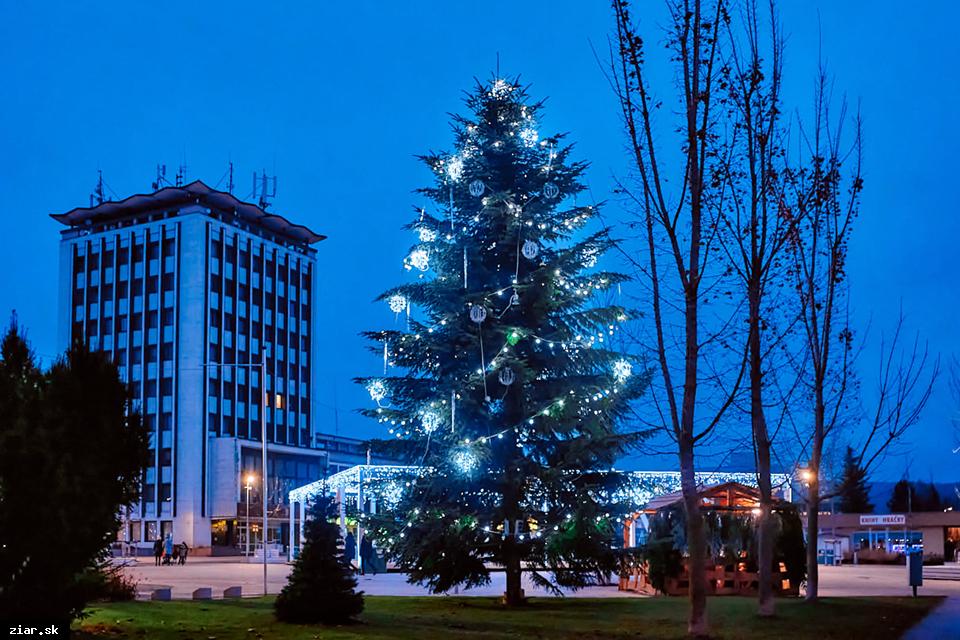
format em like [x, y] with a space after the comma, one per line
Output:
[293, 292]
[250, 429]
[123, 306]
[90, 276]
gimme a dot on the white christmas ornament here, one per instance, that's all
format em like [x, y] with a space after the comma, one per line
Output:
[477, 188]
[427, 235]
[420, 259]
[507, 376]
[551, 190]
[529, 136]
[397, 303]
[377, 390]
[530, 249]
[465, 461]
[478, 313]
[455, 168]
[431, 421]
[501, 88]
[622, 370]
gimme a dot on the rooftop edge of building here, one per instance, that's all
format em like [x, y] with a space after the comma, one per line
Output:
[197, 192]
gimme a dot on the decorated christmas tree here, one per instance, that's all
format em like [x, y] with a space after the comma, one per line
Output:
[322, 586]
[502, 379]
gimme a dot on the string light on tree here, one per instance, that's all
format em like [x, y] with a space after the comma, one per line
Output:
[506, 294]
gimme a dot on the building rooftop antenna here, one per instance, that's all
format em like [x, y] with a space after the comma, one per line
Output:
[161, 177]
[230, 178]
[181, 175]
[264, 188]
[98, 190]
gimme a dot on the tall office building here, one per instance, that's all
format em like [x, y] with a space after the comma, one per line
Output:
[182, 287]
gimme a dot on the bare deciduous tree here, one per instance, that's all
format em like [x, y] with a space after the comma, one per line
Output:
[676, 205]
[826, 198]
[755, 231]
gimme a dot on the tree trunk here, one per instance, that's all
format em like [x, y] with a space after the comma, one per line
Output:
[813, 491]
[513, 597]
[761, 439]
[813, 528]
[696, 543]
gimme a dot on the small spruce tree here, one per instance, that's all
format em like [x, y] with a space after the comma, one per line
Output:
[854, 490]
[322, 587]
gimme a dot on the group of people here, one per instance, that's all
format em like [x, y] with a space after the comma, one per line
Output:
[165, 552]
[368, 555]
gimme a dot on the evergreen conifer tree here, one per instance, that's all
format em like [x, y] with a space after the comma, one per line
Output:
[511, 388]
[903, 498]
[854, 490]
[322, 586]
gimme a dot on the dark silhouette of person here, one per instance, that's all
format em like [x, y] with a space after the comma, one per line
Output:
[367, 556]
[183, 552]
[157, 551]
[350, 547]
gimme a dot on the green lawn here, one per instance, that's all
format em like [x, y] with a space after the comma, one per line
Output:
[483, 619]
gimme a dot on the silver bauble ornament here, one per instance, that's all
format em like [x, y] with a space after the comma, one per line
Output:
[478, 313]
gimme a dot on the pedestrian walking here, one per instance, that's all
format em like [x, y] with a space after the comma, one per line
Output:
[350, 548]
[157, 551]
[183, 552]
[168, 549]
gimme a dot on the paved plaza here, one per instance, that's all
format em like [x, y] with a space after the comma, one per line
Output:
[220, 573]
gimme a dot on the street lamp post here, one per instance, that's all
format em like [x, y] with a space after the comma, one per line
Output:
[263, 450]
[247, 514]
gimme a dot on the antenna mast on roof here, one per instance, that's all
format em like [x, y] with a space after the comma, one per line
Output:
[98, 190]
[181, 175]
[161, 177]
[264, 188]
[230, 178]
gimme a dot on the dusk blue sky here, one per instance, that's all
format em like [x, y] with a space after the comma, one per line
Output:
[337, 98]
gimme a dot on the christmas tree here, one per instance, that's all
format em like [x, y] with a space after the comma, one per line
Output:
[322, 587]
[854, 490]
[509, 389]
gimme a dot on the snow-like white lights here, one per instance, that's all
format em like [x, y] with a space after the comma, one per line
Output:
[377, 390]
[622, 370]
[397, 302]
[420, 259]
[455, 168]
[427, 235]
[431, 421]
[529, 136]
[465, 460]
[500, 88]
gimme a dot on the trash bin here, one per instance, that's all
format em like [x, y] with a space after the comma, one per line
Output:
[915, 569]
